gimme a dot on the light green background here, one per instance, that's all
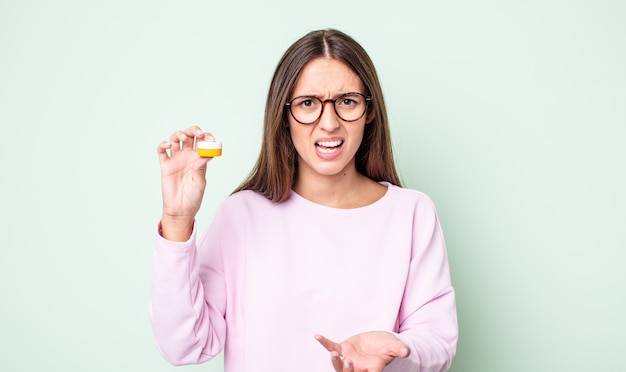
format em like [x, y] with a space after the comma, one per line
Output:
[511, 115]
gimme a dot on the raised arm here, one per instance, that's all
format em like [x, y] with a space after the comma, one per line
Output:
[188, 329]
[183, 180]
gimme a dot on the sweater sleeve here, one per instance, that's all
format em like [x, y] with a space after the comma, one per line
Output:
[188, 327]
[427, 320]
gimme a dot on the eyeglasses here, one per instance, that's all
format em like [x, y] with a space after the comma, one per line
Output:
[308, 109]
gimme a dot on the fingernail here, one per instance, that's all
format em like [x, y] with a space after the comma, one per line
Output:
[347, 364]
[199, 131]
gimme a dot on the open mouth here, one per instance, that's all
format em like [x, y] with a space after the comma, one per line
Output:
[328, 147]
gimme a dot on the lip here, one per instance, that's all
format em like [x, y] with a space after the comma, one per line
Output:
[329, 155]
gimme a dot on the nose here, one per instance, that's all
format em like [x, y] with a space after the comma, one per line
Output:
[329, 121]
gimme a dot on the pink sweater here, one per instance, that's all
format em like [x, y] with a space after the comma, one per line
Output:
[266, 277]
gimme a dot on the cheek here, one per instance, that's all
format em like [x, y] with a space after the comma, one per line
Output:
[298, 134]
[358, 134]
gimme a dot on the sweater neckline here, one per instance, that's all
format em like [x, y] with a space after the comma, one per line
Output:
[301, 200]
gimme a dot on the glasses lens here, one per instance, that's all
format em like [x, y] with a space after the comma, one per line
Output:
[306, 109]
[351, 106]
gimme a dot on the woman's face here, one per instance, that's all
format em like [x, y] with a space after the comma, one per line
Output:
[327, 147]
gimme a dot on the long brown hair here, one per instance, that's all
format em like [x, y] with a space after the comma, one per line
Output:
[277, 166]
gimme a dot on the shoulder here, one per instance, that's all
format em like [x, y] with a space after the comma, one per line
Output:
[247, 197]
[413, 202]
[405, 195]
[250, 198]
[244, 201]
[239, 211]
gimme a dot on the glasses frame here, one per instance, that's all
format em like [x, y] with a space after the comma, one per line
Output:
[368, 99]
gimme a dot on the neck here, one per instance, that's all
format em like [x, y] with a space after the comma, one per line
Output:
[348, 189]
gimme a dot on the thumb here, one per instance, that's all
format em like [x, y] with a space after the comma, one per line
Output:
[399, 350]
[199, 166]
[328, 344]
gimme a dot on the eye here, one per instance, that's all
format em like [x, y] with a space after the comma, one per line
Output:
[305, 103]
[350, 101]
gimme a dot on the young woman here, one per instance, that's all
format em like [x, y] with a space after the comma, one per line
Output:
[320, 243]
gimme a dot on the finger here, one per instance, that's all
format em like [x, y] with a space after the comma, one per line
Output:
[399, 350]
[348, 366]
[180, 141]
[200, 164]
[328, 344]
[194, 131]
[404, 352]
[335, 359]
[162, 150]
[207, 136]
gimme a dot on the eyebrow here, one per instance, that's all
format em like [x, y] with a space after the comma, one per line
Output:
[322, 98]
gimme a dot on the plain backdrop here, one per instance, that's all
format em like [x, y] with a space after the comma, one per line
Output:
[511, 115]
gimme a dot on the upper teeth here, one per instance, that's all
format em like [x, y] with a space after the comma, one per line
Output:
[329, 143]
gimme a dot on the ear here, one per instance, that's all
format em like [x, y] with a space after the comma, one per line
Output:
[371, 114]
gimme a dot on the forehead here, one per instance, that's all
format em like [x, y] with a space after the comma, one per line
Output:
[327, 76]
